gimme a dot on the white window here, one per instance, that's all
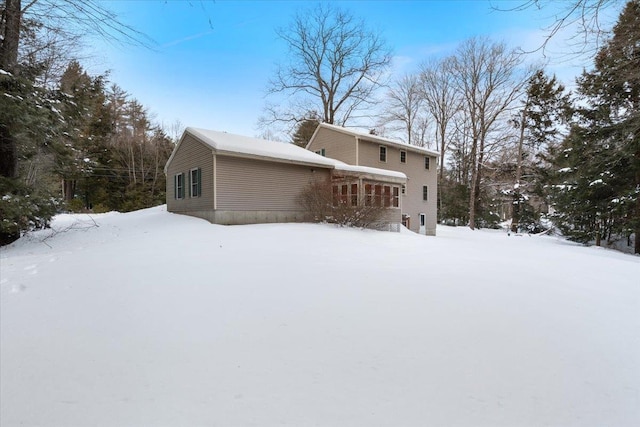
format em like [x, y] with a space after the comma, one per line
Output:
[404, 189]
[178, 186]
[425, 192]
[403, 156]
[426, 162]
[383, 153]
[195, 178]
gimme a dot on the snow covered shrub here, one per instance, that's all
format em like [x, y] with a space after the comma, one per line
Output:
[326, 201]
[22, 210]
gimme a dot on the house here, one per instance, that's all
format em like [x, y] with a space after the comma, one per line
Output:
[419, 196]
[232, 179]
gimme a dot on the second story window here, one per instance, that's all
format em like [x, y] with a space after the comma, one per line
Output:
[425, 192]
[426, 162]
[403, 156]
[383, 153]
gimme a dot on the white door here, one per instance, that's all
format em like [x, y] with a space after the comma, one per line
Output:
[423, 221]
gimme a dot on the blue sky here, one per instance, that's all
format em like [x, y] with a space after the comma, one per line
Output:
[212, 60]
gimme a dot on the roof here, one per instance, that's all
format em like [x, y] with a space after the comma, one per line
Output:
[229, 143]
[379, 139]
[244, 146]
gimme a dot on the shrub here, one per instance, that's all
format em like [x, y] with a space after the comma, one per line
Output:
[322, 204]
[22, 210]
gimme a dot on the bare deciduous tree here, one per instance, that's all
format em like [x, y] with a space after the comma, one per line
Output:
[441, 99]
[486, 75]
[403, 105]
[585, 15]
[335, 64]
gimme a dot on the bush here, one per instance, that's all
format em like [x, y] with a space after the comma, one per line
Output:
[322, 204]
[22, 210]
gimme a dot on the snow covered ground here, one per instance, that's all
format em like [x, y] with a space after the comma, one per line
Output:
[155, 319]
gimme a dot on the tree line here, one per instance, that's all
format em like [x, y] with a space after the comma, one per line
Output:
[68, 140]
[513, 142]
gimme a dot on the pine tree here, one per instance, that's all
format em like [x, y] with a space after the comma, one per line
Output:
[600, 159]
[305, 129]
[544, 108]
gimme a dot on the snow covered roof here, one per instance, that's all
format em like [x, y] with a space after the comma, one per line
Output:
[386, 141]
[365, 170]
[224, 142]
[231, 144]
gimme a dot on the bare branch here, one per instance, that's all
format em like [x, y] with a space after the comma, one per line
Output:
[335, 64]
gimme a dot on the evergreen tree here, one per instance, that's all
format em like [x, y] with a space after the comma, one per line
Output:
[86, 127]
[544, 109]
[305, 129]
[599, 162]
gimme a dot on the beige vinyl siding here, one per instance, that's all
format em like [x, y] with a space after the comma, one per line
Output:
[417, 177]
[248, 184]
[191, 154]
[337, 145]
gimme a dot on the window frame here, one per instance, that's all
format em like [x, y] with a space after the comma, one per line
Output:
[382, 157]
[386, 191]
[354, 194]
[427, 162]
[403, 156]
[425, 193]
[195, 188]
[368, 194]
[178, 186]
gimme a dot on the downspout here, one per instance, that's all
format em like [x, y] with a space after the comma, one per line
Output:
[357, 150]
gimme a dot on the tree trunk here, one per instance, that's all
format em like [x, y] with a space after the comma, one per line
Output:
[8, 62]
[8, 152]
[68, 189]
[474, 178]
[11, 36]
[476, 183]
[515, 211]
